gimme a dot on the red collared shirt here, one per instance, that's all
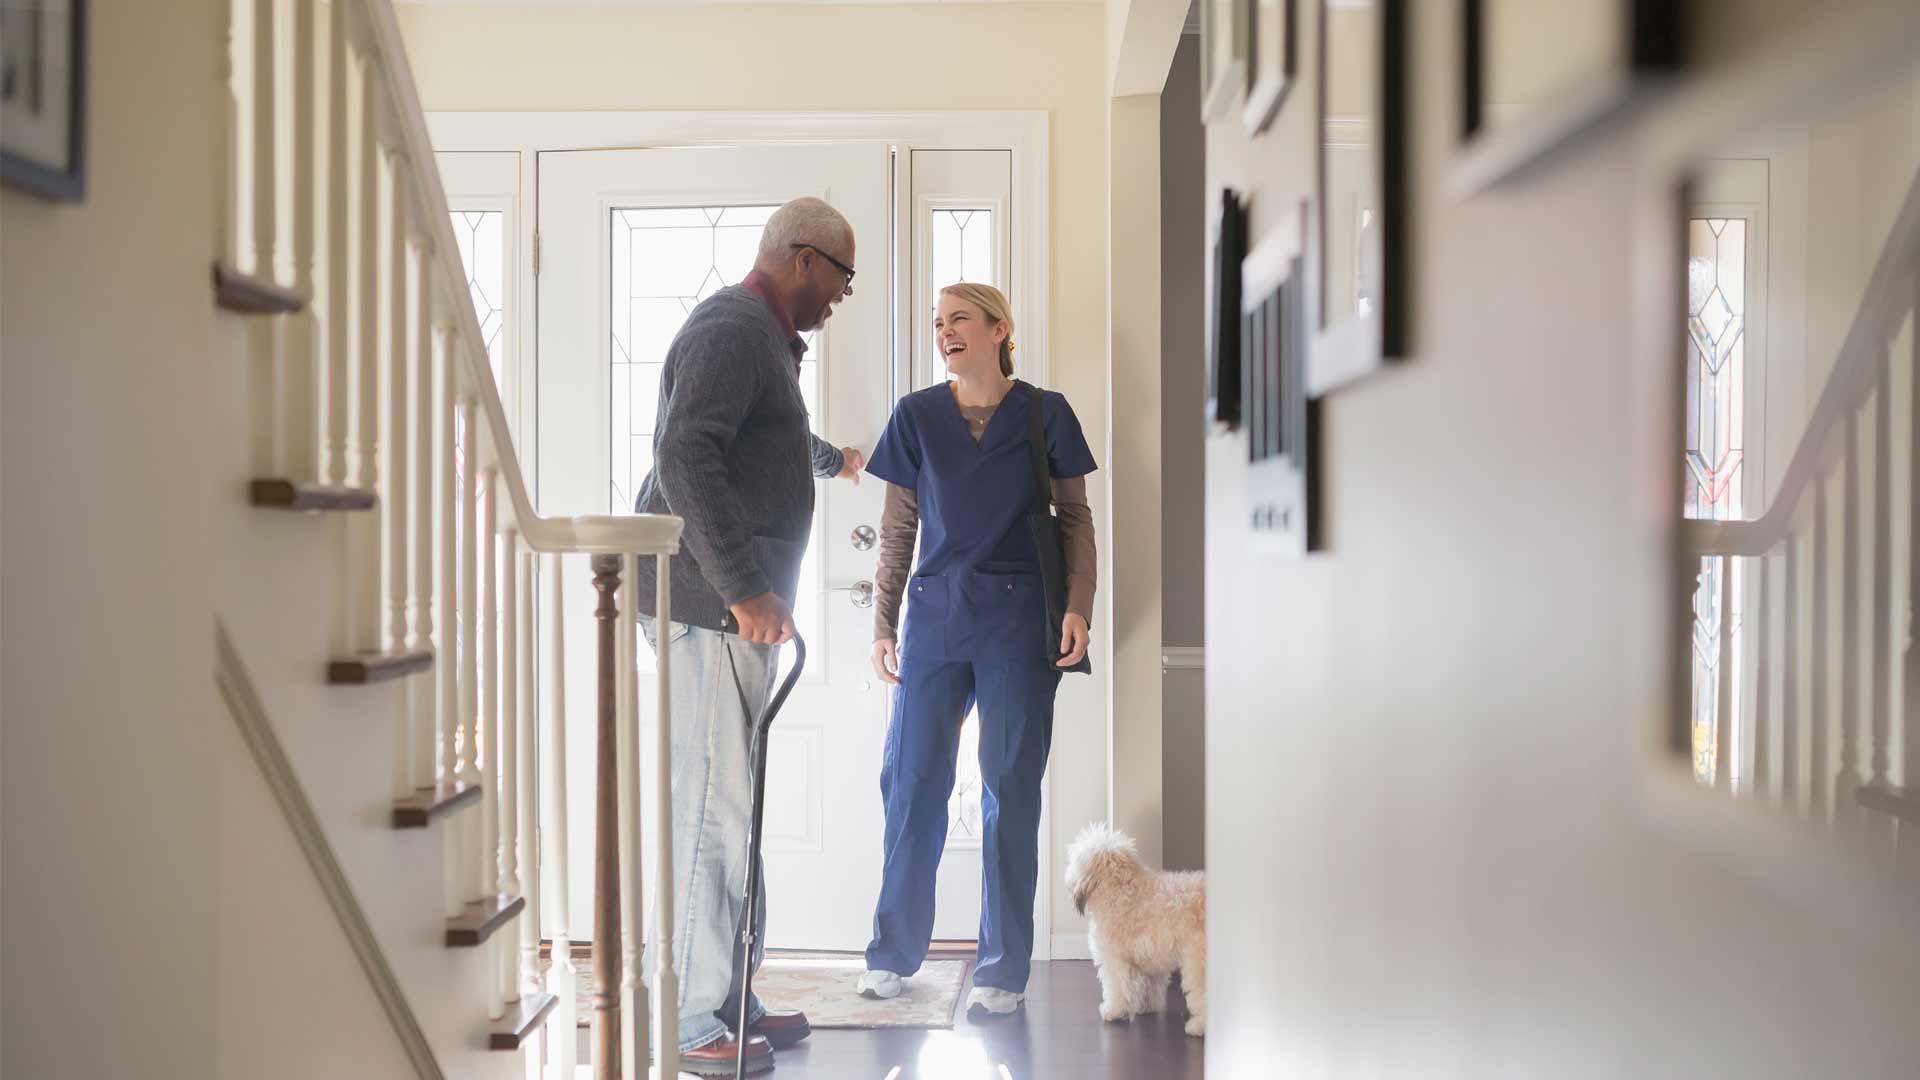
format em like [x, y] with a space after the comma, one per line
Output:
[760, 285]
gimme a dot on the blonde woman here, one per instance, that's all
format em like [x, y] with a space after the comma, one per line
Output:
[957, 458]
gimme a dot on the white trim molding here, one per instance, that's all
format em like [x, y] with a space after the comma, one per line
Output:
[1183, 657]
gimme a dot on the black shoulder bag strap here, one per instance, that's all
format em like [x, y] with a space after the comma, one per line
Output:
[1047, 540]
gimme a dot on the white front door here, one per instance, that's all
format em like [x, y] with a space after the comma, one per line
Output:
[629, 242]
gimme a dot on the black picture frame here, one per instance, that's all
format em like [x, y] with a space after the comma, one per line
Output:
[1281, 420]
[1223, 409]
[1358, 231]
[1650, 54]
[62, 179]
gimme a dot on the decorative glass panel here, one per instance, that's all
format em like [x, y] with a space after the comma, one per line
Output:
[1714, 456]
[481, 236]
[665, 261]
[962, 248]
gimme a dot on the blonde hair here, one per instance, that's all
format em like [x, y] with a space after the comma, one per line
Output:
[994, 305]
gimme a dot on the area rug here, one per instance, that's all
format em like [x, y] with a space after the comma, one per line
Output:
[823, 989]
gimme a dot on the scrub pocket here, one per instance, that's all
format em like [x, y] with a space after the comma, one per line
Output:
[1007, 612]
[926, 619]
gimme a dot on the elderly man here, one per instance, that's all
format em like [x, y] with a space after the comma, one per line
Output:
[734, 457]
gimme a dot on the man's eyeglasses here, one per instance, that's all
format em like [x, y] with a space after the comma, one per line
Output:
[837, 264]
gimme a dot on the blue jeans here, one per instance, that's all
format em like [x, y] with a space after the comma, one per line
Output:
[916, 779]
[711, 808]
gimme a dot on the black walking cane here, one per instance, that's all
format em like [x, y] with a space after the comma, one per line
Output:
[757, 756]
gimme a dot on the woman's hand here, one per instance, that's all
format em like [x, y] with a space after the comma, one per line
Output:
[1074, 636]
[886, 661]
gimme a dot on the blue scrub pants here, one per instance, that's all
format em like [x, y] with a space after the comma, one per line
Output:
[1015, 698]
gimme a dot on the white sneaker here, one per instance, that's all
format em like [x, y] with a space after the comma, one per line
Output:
[880, 985]
[998, 1002]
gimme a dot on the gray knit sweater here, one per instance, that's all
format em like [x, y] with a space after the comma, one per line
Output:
[733, 456]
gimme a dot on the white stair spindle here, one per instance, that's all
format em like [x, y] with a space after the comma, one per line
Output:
[366, 618]
[633, 984]
[420, 524]
[666, 983]
[267, 334]
[445, 534]
[487, 865]
[266, 141]
[300, 396]
[626, 740]
[447, 624]
[233, 147]
[506, 776]
[469, 620]
[337, 406]
[394, 504]
[526, 800]
[554, 835]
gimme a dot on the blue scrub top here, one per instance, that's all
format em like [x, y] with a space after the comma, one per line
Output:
[976, 593]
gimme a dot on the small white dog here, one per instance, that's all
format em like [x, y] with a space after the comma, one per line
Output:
[1142, 925]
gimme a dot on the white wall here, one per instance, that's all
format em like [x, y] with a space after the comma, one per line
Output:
[1422, 743]
[860, 58]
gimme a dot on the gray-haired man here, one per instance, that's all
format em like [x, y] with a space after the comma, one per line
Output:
[734, 457]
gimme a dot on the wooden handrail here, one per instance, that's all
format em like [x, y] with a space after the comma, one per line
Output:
[645, 534]
[1888, 298]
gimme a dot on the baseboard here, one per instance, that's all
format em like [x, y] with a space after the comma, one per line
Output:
[1071, 947]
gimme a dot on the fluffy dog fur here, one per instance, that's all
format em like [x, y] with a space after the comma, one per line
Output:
[1142, 925]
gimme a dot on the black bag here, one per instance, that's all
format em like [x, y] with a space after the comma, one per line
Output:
[1046, 537]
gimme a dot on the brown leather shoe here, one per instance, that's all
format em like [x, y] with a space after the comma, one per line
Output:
[781, 1030]
[717, 1057]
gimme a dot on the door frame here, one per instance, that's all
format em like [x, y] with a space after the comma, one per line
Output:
[1026, 134]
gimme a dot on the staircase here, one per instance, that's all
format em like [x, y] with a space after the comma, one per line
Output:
[387, 686]
[1800, 713]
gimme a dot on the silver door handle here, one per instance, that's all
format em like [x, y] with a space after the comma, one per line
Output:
[860, 592]
[864, 538]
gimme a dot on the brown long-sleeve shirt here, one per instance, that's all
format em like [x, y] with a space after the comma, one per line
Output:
[900, 527]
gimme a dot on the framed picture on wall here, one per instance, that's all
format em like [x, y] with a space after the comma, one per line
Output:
[1270, 61]
[1223, 57]
[1537, 74]
[1359, 238]
[43, 97]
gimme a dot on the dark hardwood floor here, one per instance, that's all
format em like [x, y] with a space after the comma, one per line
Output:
[1057, 1035]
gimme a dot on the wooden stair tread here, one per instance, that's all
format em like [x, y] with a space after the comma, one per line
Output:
[421, 810]
[363, 668]
[523, 1018]
[279, 494]
[481, 919]
[1903, 803]
[248, 295]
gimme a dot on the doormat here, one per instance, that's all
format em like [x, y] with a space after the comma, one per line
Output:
[823, 989]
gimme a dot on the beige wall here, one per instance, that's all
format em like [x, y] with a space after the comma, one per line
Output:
[109, 853]
[1183, 203]
[1422, 742]
[863, 58]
